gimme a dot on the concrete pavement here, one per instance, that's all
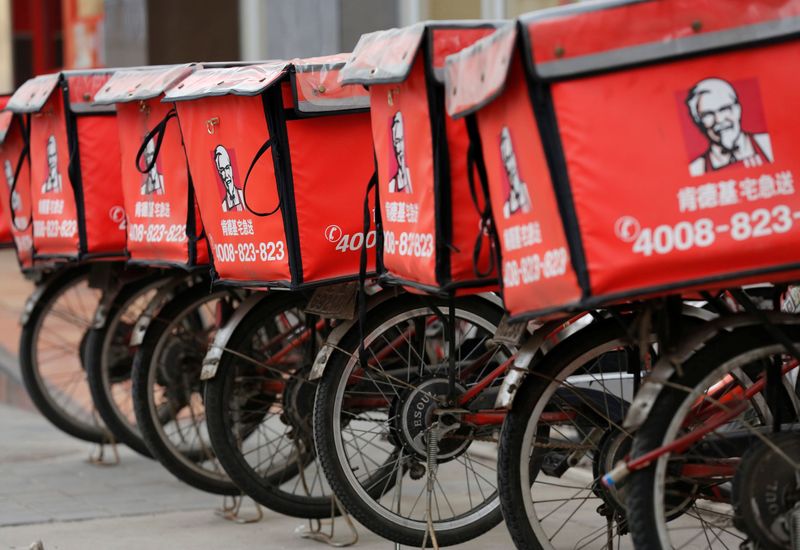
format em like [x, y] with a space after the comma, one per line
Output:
[50, 493]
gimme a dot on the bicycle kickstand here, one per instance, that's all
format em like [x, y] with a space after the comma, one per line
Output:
[233, 511]
[314, 530]
[99, 458]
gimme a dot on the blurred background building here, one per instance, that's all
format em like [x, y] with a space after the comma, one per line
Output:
[40, 36]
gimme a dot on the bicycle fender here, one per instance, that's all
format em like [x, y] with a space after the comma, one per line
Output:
[669, 364]
[336, 335]
[220, 343]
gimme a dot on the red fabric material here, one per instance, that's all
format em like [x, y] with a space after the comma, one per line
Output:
[239, 125]
[83, 87]
[527, 285]
[98, 145]
[449, 41]
[414, 262]
[634, 178]
[638, 23]
[332, 162]
[156, 233]
[55, 218]
[22, 233]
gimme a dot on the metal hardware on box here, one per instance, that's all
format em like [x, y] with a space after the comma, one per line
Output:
[210, 123]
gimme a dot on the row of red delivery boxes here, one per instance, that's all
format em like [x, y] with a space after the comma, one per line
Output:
[577, 156]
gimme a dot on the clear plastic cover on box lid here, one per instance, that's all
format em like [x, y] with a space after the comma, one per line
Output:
[218, 81]
[33, 94]
[318, 86]
[477, 74]
[142, 83]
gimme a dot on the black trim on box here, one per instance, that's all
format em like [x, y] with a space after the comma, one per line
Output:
[191, 222]
[442, 198]
[288, 285]
[272, 99]
[545, 115]
[116, 256]
[601, 300]
[56, 257]
[167, 264]
[441, 291]
[74, 167]
[701, 43]
[298, 113]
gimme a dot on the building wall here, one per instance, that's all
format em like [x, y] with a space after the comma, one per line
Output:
[362, 16]
[179, 31]
[301, 28]
[126, 43]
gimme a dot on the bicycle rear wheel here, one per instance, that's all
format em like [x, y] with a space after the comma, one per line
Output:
[167, 390]
[109, 360]
[259, 407]
[372, 424]
[51, 354]
[686, 498]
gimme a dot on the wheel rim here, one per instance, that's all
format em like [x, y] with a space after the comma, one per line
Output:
[176, 407]
[567, 418]
[398, 499]
[117, 338]
[269, 403]
[715, 519]
[58, 336]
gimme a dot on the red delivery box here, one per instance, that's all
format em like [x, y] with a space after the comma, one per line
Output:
[647, 146]
[6, 237]
[163, 222]
[280, 156]
[15, 197]
[434, 236]
[74, 167]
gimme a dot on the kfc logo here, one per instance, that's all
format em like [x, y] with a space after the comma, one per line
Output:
[53, 182]
[400, 177]
[153, 183]
[9, 172]
[731, 123]
[517, 197]
[232, 200]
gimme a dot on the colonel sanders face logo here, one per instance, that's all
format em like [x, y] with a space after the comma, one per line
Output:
[715, 108]
[517, 197]
[153, 181]
[53, 182]
[400, 180]
[9, 172]
[233, 195]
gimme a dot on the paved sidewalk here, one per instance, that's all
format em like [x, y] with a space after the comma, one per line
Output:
[14, 289]
[49, 492]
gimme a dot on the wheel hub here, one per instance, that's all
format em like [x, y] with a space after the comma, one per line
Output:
[614, 447]
[298, 403]
[414, 413]
[766, 490]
